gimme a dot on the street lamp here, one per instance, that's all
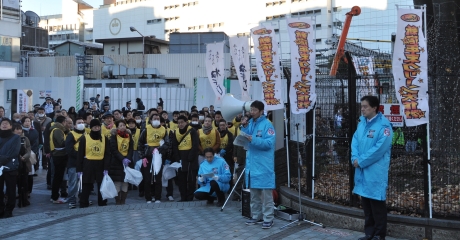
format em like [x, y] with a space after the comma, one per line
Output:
[133, 29]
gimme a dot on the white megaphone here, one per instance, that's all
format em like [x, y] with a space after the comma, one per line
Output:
[231, 107]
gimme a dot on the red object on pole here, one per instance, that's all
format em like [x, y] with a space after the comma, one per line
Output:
[355, 11]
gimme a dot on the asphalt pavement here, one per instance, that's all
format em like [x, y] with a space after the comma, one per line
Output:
[139, 220]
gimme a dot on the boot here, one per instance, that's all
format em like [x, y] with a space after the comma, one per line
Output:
[123, 197]
[118, 199]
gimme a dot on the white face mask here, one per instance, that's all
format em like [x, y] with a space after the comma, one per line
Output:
[195, 122]
[80, 126]
[156, 123]
[17, 120]
[201, 118]
[41, 115]
[138, 120]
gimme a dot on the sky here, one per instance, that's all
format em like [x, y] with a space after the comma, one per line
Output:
[50, 7]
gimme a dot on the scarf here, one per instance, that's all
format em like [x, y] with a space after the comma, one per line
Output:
[122, 134]
[206, 130]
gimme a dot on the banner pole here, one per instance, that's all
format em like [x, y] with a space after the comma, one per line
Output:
[314, 132]
[428, 130]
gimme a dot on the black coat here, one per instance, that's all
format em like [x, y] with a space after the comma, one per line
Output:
[189, 157]
[92, 170]
[117, 170]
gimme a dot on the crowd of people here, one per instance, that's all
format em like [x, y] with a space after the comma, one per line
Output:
[79, 147]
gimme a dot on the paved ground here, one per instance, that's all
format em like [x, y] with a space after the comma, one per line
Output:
[138, 220]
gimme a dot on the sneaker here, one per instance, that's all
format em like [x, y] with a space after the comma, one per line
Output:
[157, 201]
[253, 221]
[170, 198]
[267, 225]
[60, 201]
[149, 201]
[72, 205]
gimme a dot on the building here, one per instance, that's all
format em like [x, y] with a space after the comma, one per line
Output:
[72, 48]
[74, 23]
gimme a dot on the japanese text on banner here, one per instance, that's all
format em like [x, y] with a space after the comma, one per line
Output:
[303, 55]
[410, 67]
[239, 48]
[268, 69]
[215, 68]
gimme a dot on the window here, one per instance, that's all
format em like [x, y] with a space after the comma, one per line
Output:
[318, 40]
[318, 26]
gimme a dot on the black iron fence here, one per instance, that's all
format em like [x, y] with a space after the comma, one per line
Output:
[336, 120]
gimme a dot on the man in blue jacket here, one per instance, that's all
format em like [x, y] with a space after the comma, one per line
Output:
[370, 155]
[260, 166]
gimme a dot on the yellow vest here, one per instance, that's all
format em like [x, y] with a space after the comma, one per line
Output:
[123, 145]
[76, 137]
[87, 130]
[224, 142]
[94, 149]
[154, 135]
[232, 130]
[235, 123]
[106, 132]
[136, 139]
[207, 140]
[214, 125]
[173, 126]
[186, 144]
[51, 139]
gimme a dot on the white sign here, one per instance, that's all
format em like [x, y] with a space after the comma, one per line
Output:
[268, 67]
[239, 49]
[302, 92]
[364, 65]
[11, 4]
[24, 100]
[215, 68]
[393, 113]
[410, 71]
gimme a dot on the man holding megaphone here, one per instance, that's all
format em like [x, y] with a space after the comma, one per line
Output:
[260, 166]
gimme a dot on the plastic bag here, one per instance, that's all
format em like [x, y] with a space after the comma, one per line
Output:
[33, 158]
[138, 165]
[108, 189]
[1, 170]
[132, 176]
[156, 161]
[80, 184]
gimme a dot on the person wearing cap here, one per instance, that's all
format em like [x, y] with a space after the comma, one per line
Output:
[127, 107]
[121, 148]
[151, 138]
[105, 103]
[48, 106]
[93, 162]
[108, 124]
[92, 102]
[36, 107]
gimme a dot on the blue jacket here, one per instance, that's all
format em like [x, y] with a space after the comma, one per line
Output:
[219, 167]
[260, 157]
[371, 145]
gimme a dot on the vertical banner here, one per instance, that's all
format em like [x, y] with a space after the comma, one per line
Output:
[24, 100]
[302, 94]
[366, 85]
[215, 68]
[239, 49]
[410, 69]
[268, 66]
[79, 92]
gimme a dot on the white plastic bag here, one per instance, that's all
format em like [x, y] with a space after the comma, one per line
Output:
[138, 165]
[80, 184]
[108, 189]
[33, 158]
[132, 176]
[1, 170]
[156, 161]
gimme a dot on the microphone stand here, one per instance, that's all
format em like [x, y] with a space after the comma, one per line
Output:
[299, 165]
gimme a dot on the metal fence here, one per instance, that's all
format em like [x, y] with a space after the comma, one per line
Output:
[408, 176]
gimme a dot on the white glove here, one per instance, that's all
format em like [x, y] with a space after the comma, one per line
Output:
[215, 178]
[201, 179]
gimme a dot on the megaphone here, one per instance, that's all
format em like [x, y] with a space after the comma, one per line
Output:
[231, 107]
